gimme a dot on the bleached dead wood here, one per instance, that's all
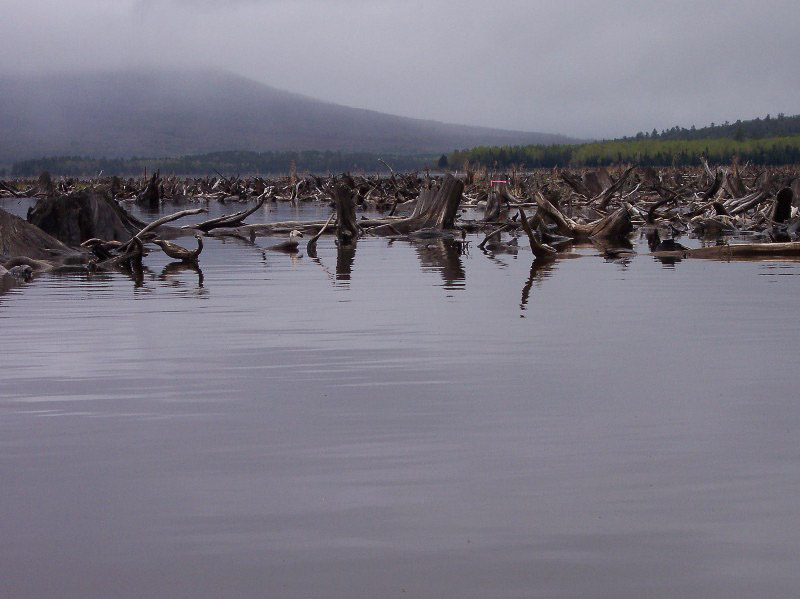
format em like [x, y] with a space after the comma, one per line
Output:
[616, 224]
[539, 249]
[230, 220]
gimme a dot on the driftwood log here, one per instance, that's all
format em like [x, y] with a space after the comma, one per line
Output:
[737, 251]
[230, 220]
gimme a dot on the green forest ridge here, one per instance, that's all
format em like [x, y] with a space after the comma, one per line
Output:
[769, 140]
[760, 141]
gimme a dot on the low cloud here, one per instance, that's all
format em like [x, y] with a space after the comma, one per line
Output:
[580, 68]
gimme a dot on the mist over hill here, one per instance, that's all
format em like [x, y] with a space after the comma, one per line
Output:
[172, 113]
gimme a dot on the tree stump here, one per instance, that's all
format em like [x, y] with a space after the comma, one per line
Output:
[82, 215]
[346, 223]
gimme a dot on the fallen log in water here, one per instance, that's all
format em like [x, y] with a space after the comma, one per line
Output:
[228, 221]
[737, 251]
[162, 221]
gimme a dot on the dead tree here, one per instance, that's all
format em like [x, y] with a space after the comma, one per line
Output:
[602, 200]
[20, 238]
[576, 184]
[230, 220]
[616, 224]
[346, 223]
[151, 194]
[498, 196]
[540, 250]
[76, 217]
[782, 210]
[436, 209]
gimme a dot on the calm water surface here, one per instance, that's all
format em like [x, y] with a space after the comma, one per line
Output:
[402, 421]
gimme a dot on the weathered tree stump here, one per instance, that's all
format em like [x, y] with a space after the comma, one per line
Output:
[346, 222]
[79, 216]
[19, 238]
[151, 194]
[436, 209]
[782, 210]
[494, 204]
[616, 224]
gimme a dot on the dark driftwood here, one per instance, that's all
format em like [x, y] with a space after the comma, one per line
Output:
[540, 250]
[782, 210]
[150, 196]
[346, 222]
[79, 216]
[311, 246]
[19, 238]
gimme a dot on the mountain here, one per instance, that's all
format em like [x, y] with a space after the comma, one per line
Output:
[173, 113]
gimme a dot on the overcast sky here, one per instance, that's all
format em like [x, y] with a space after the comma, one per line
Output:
[586, 69]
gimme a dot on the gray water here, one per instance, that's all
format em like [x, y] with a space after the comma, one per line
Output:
[403, 421]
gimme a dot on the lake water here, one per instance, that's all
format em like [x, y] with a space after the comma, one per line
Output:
[402, 421]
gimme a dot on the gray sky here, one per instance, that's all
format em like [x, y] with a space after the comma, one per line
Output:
[581, 68]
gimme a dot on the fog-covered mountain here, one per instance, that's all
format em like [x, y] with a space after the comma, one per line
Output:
[171, 113]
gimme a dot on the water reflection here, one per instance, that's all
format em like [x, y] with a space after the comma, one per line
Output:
[443, 256]
[272, 436]
[345, 255]
[134, 270]
[175, 268]
[7, 283]
[540, 270]
[494, 244]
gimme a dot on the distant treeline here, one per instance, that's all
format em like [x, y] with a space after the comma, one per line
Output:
[643, 152]
[780, 126]
[771, 140]
[227, 163]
